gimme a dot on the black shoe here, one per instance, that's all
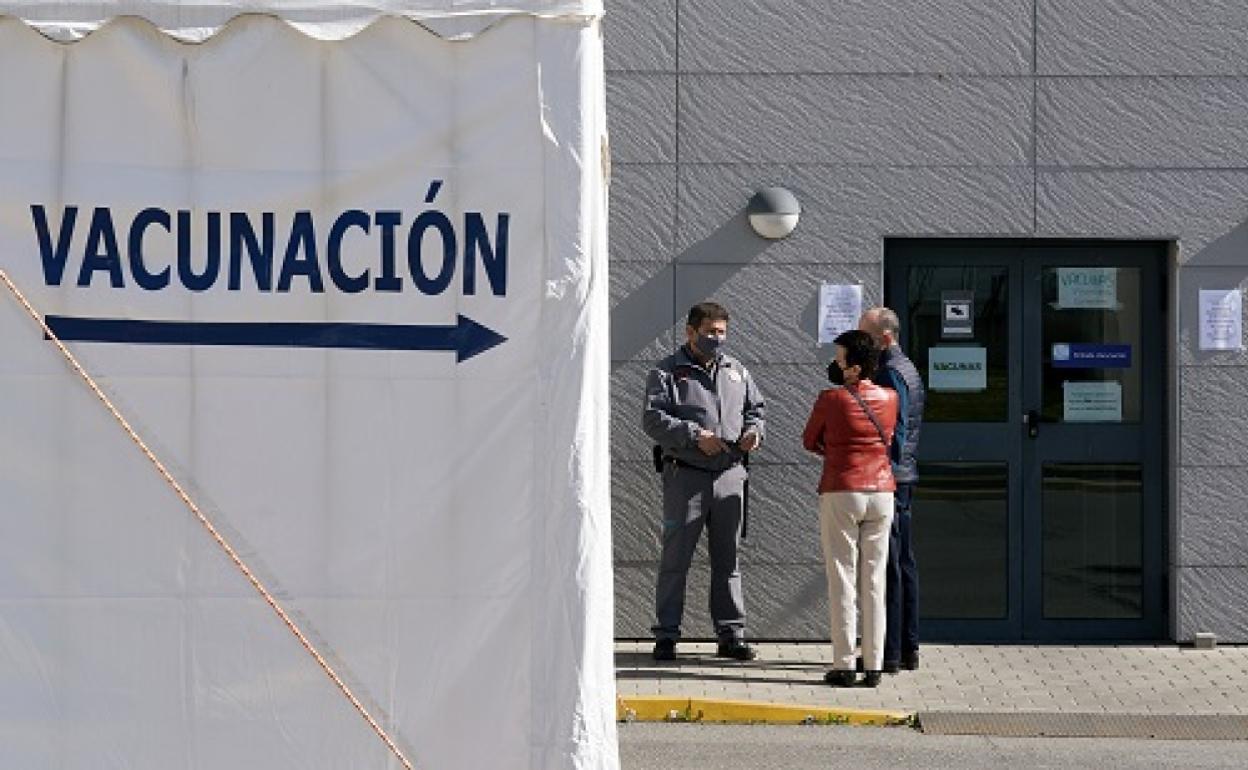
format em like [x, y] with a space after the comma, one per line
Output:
[664, 649]
[736, 649]
[870, 679]
[910, 660]
[858, 666]
[840, 678]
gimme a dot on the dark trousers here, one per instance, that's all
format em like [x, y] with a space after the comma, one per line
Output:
[902, 585]
[694, 500]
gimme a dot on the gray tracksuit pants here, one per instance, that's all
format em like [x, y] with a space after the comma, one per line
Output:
[692, 500]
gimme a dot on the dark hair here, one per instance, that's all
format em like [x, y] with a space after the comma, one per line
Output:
[860, 351]
[704, 310]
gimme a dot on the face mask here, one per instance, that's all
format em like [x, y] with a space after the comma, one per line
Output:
[709, 345]
[835, 375]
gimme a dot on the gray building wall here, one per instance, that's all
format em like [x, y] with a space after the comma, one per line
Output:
[996, 118]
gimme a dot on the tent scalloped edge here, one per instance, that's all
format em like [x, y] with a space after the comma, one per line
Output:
[67, 31]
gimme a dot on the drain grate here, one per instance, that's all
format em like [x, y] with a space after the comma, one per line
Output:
[1037, 725]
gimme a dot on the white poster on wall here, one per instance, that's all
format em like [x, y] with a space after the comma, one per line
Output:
[840, 305]
[958, 369]
[1087, 287]
[1221, 319]
[1091, 401]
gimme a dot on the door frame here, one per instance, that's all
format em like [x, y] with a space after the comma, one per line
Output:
[1025, 259]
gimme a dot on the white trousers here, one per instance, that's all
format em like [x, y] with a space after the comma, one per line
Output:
[853, 527]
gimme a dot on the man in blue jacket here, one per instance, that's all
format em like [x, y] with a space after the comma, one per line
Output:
[896, 371]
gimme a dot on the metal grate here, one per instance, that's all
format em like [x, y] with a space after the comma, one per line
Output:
[1038, 725]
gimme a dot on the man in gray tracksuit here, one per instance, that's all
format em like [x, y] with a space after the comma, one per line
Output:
[705, 413]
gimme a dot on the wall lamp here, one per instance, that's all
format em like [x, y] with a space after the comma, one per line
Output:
[773, 212]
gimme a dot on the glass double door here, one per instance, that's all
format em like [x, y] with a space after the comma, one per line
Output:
[1040, 508]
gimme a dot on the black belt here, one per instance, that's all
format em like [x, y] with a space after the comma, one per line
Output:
[683, 464]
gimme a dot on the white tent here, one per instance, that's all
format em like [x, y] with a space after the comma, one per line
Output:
[343, 267]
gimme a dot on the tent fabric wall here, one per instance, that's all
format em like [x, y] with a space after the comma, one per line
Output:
[67, 20]
[439, 527]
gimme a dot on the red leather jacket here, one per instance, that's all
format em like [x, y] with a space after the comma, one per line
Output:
[854, 457]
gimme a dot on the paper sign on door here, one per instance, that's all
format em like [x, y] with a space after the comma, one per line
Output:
[1087, 287]
[1091, 402]
[957, 369]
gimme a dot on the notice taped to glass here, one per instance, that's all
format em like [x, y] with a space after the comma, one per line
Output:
[957, 369]
[1087, 287]
[1092, 401]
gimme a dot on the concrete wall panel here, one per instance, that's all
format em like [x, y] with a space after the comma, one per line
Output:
[790, 390]
[1207, 438]
[783, 521]
[1141, 37]
[856, 36]
[786, 601]
[1143, 122]
[1199, 207]
[916, 119]
[1214, 511]
[629, 443]
[640, 35]
[784, 515]
[642, 320]
[643, 212]
[637, 506]
[1213, 392]
[1213, 599]
[847, 210]
[642, 121]
[781, 602]
[1193, 280]
[880, 120]
[774, 307]
[634, 600]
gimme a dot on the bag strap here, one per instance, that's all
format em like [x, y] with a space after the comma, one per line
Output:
[870, 416]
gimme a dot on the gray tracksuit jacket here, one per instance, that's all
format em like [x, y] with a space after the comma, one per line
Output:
[683, 398]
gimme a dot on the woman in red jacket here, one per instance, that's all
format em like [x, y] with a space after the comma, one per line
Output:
[851, 427]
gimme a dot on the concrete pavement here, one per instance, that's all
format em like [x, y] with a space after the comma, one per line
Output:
[742, 747]
[1160, 679]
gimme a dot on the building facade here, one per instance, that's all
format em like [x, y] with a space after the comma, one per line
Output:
[1075, 169]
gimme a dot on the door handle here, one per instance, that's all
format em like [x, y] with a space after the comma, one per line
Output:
[1032, 422]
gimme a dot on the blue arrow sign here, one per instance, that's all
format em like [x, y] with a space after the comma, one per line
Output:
[466, 337]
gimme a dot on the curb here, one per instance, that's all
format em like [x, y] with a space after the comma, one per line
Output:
[650, 708]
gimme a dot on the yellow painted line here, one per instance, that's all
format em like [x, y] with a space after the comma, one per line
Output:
[654, 708]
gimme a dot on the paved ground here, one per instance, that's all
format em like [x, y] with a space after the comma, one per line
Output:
[1109, 679]
[742, 747]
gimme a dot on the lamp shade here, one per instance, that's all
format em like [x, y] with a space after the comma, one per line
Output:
[773, 212]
